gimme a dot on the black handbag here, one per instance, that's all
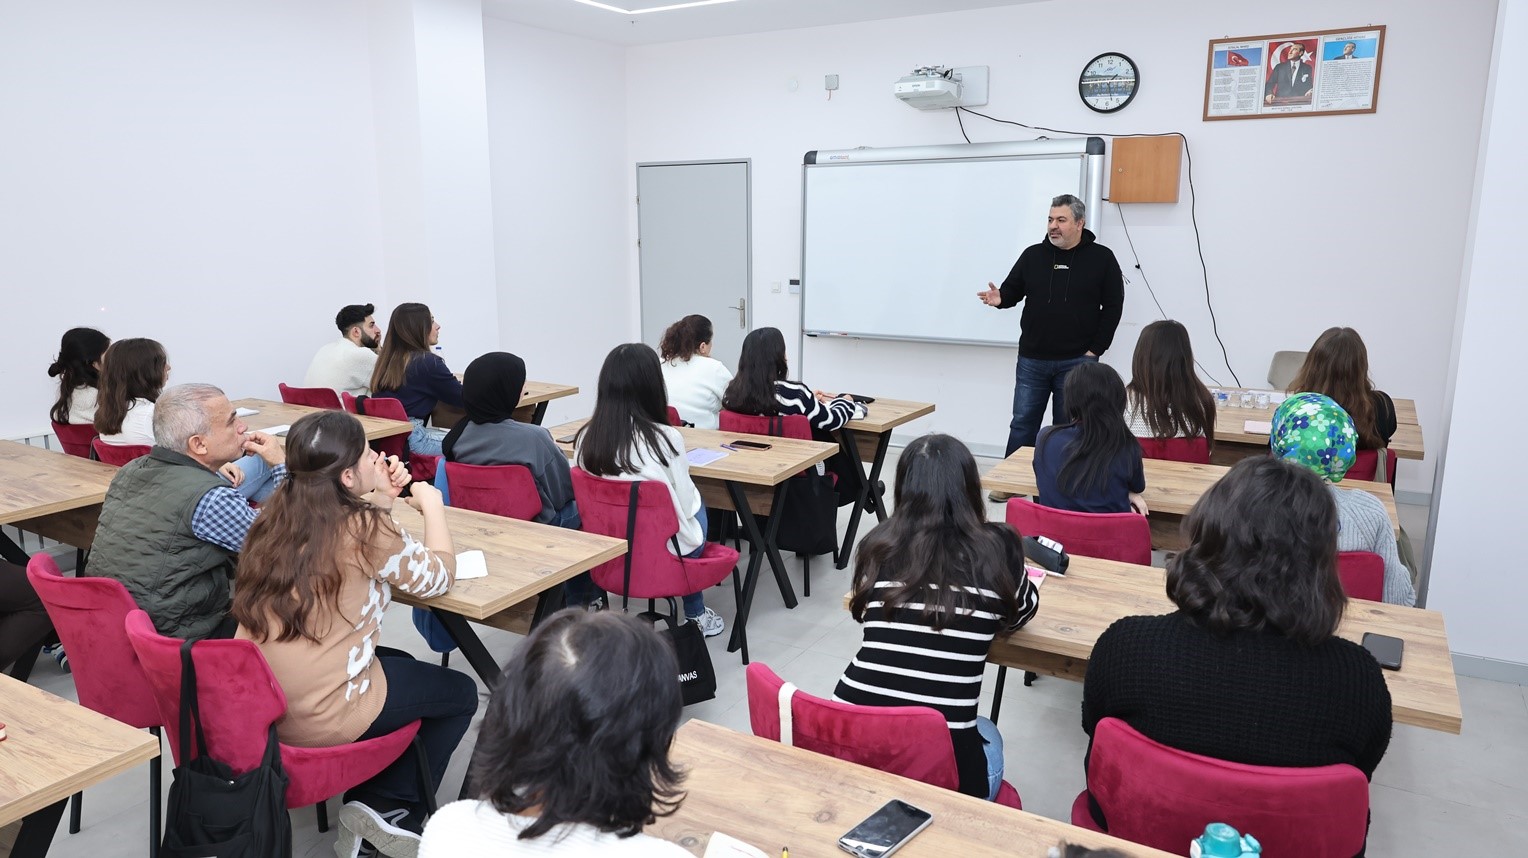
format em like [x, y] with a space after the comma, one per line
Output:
[213, 814]
[809, 520]
[697, 677]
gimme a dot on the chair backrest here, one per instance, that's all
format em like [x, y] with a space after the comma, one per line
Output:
[1366, 465]
[117, 454]
[912, 741]
[1283, 367]
[75, 438]
[656, 572]
[1162, 797]
[1195, 450]
[239, 697]
[1362, 574]
[387, 408]
[313, 397]
[507, 490]
[347, 402]
[791, 425]
[88, 614]
[673, 417]
[1122, 536]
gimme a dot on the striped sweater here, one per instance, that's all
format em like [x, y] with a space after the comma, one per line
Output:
[796, 398]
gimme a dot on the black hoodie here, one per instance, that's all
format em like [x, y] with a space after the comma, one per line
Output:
[1072, 298]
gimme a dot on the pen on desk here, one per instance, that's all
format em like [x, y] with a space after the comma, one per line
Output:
[729, 447]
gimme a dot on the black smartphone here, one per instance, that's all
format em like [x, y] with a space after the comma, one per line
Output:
[1385, 649]
[568, 439]
[863, 400]
[747, 445]
[886, 830]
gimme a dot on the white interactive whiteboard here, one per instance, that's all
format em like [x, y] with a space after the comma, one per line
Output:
[897, 242]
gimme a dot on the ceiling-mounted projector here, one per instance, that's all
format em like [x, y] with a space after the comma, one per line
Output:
[936, 87]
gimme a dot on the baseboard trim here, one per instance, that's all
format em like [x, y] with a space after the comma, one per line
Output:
[1494, 669]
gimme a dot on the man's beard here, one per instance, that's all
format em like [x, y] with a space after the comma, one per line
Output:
[368, 342]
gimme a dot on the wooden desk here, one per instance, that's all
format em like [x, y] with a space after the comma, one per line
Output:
[526, 561]
[752, 482]
[51, 493]
[279, 413]
[533, 402]
[53, 749]
[770, 795]
[868, 438]
[1232, 435]
[1171, 487]
[1076, 609]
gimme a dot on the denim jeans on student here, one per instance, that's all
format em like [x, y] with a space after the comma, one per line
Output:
[257, 485]
[1035, 381]
[993, 744]
[695, 603]
[425, 439]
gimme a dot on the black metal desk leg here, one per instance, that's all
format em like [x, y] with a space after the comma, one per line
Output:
[37, 829]
[848, 442]
[876, 497]
[762, 548]
[471, 646]
[540, 413]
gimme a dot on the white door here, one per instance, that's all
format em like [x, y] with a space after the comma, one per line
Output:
[693, 240]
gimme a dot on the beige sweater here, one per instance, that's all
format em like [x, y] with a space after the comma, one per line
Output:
[335, 688]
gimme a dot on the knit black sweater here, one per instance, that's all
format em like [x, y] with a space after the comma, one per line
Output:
[1072, 299]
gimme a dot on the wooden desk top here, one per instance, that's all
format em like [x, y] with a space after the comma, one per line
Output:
[524, 559]
[785, 457]
[1231, 428]
[55, 748]
[1405, 409]
[1171, 487]
[884, 415]
[772, 796]
[278, 413]
[537, 392]
[1076, 609]
[36, 482]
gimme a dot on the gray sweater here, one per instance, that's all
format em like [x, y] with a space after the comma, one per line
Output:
[514, 443]
[1363, 525]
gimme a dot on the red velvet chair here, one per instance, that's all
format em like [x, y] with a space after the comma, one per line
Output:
[88, 614]
[421, 465]
[1162, 797]
[75, 438]
[673, 417]
[1366, 465]
[348, 402]
[240, 700]
[911, 741]
[507, 490]
[1122, 536]
[1362, 574]
[313, 397]
[117, 454]
[1195, 450]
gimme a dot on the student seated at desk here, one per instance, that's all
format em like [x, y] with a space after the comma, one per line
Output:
[78, 369]
[933, 585]
[696, 381]
[1164, 398]
[1338, 365]
[573, 755]
[408, 371]
[317, 575]
[1093, 463]
[1316, 433]
[1249, 669]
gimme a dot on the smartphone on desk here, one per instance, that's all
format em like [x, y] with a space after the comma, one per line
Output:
[863, 400]
[1385, 649]
[886, 830]
[568, 439]
[746, 445]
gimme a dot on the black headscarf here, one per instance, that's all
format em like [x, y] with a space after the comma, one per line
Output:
[491, 391]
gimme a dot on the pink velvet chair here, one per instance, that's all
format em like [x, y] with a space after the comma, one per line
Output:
[313, 397]
[673, 417]
[911, 741]
[1122, 536]
[240, 700]
[1362, 574]
[507, 490]
[1163, 797]
[421, 465]
[75, 438]
[1366, 465]
[1195, 450]
[88, 614]
[117, 454]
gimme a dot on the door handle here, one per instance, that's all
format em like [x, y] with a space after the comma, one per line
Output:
[742, 312]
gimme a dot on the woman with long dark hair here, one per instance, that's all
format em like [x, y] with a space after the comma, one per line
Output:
[78, 370]
[1164, 398]
[315, 579]
[933, 584]
[1093, 463]
[1249, 669]
[133, 371]
[695, 381]
[573, 754]
[411, 372]
[1337, 365]
[628, 438]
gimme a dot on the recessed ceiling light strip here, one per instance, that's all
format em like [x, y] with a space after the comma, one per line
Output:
[607, 7]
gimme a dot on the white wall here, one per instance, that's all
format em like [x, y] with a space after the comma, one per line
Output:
[203, 174]
[1477, 576]
[1378, 202]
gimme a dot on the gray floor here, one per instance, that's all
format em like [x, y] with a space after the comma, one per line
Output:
[1434, 794]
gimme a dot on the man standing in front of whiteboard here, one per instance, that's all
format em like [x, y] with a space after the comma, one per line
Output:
[1073, 295]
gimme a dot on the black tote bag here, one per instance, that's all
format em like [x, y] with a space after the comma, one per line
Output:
[213, 814]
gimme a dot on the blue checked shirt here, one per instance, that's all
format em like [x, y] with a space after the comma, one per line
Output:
[223, 516]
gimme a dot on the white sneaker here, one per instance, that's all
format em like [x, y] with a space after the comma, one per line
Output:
[359, 822]
[711, 623]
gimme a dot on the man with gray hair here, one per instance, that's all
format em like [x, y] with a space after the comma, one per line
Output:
[1073, 296]
[171, 527]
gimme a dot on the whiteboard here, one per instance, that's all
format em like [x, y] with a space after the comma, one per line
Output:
[898, 249]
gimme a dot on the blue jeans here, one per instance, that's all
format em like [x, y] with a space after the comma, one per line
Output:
[993, 744]
[695, 603]
[1035, 381]
[257, 485]
[425, 439]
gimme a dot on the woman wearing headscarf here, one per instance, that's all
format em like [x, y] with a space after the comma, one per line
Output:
[1313, 431]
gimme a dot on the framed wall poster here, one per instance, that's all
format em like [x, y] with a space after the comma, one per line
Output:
[1320, 72]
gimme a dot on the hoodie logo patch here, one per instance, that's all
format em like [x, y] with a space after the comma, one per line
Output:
[1060, 267]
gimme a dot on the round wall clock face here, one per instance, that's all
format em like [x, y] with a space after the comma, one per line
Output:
[1108, 82]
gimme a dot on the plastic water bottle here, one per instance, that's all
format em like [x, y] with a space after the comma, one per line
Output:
[1222, 841]
[1219, 397]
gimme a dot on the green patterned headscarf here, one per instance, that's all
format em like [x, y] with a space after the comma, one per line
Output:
[1310, 429]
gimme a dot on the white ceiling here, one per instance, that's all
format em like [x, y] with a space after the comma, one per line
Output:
[702, 22]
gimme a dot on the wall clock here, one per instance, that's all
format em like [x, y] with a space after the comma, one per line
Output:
[1108, 82]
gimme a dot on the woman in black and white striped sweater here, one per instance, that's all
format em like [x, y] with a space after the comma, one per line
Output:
[933, 585]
